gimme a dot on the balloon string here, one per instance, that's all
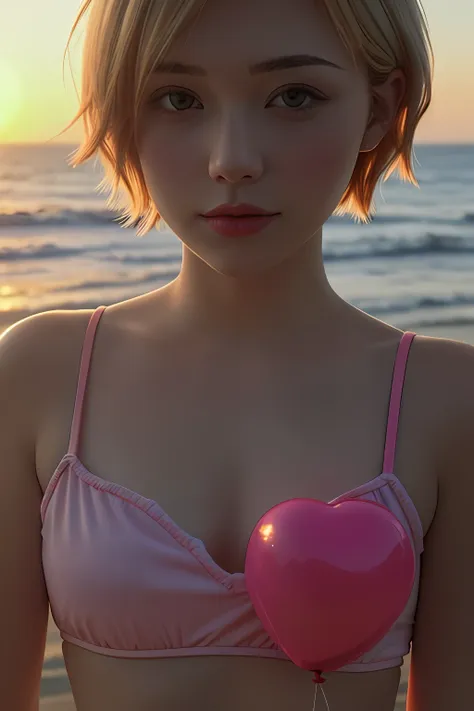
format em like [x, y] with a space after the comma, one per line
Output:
[316, 689]
[318, 681]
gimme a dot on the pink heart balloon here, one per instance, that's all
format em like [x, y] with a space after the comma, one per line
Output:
[328, 580]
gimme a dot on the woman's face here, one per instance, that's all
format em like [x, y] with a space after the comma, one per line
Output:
[285, 140]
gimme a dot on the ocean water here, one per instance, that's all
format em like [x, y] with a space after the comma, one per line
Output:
[61, 248]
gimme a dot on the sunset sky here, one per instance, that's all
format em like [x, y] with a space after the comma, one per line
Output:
[36, 103]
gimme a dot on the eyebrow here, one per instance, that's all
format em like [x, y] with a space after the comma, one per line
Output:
[268, 65]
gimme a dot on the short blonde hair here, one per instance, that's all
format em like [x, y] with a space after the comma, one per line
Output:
[125, 39]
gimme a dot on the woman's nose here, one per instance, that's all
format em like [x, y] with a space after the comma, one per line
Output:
[235, 155]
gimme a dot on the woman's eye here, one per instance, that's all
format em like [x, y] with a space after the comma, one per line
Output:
[299, 98]
[177, 101]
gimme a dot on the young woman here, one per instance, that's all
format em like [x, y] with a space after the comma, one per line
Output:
[139, 445]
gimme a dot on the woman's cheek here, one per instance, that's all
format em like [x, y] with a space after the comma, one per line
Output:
[315, 166]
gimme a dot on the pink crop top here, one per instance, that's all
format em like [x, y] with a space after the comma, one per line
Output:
[125, 580]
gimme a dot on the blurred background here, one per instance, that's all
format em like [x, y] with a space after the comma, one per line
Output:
[60, 248]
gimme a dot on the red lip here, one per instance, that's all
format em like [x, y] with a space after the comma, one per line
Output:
[243, 209]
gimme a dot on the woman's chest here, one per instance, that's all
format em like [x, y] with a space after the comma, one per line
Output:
[217, 447]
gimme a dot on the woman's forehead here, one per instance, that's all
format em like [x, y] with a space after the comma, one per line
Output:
[245, 32]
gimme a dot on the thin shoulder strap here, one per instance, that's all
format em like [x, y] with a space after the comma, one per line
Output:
[396, 394]
[82, 381]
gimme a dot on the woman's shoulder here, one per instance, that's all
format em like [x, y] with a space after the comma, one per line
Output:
[54, 339]
[34, 347]
[444, 369]
[440, 378]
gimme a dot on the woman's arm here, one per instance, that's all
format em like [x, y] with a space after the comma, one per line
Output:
[442, 667]
[23, 598]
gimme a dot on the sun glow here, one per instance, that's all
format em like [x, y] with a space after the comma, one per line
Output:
[10, 97]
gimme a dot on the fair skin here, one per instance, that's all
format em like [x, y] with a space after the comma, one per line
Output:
[249, 145]
[240, 383]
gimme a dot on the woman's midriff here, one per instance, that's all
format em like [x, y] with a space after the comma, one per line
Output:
[218, 683]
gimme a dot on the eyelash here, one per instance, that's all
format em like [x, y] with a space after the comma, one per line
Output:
[315, 96]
